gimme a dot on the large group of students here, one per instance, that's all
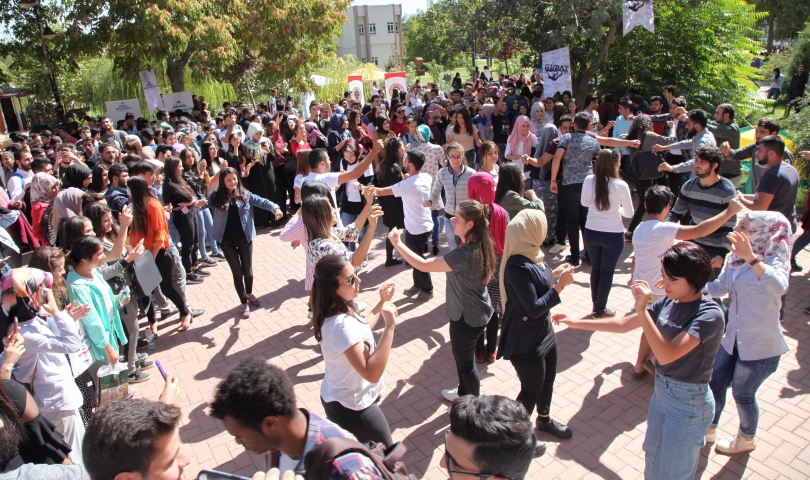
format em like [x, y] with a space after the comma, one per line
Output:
[512, 175]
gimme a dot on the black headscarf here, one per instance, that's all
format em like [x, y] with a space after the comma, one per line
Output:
[75, 176]
[378, 122]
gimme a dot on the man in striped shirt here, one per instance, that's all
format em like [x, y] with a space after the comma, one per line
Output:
[705, 196]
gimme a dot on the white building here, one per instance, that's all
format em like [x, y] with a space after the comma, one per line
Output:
[373, 33]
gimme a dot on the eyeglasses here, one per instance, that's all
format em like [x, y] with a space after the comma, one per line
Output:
[454, 157]
[448, 458]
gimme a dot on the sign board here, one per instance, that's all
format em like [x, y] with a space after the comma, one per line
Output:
[392, 80]
[151, 90]
[356, 88]
[178, 101]
[556, 72]
[118, 109]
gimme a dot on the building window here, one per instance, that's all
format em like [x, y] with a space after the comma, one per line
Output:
[362, 29]
[374, 61]
[396, 27]
[390, 27]
[372, 29]
[363, 59]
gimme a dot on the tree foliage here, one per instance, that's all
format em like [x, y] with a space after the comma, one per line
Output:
[430, 34]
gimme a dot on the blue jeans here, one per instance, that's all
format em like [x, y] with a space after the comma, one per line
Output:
[438, 221]
[205, 232]
[800, 243]
[450, 233]
[604, 249]
[679, 418]
[745, 378]
[173, 233]
[348, 218]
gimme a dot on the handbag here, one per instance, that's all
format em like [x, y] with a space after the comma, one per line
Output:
[645, 164]
[146, 274]
[112, 383]
[290, 165]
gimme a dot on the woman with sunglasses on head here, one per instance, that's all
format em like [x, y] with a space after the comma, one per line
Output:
[233, 209]
[354, 364]
[468, 305]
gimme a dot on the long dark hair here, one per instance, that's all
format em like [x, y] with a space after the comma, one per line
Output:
[316, 213]
[463, 116]
[324, 299]
[776, 72]
[642, 123]
[170, 175]
[206, 155]
[474, 211]
[605, 170]
[13, 430]
[140, 194]
[95, 213]
[97, 184]
[391, 158]
[221, 198]
[74, 230]
[510, 178]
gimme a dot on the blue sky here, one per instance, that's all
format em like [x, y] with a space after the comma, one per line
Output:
[408, 6]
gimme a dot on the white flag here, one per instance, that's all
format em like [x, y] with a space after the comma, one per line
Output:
[556, 72]
[638, 12]
[356, 87]
[151, 90]
[118, 109]
[394, 79]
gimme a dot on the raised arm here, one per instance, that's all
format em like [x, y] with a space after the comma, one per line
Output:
[436, 264]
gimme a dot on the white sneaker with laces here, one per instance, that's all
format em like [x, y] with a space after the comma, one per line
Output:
[711, 435]
[736, 444]
[557, 248]
[450, 394]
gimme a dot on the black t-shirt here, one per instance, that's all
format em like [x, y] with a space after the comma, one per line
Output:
[234, 232]
[173, 194]
[781, 181]
[500, 129]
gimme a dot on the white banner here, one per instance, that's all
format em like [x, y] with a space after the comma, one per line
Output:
[395, 79]
[118, 109]
[556, 72]
[151, 90]
[638, 12]
[178, 101]
[356, 87]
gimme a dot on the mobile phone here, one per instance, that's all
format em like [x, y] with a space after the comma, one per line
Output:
[215, 475]
[123, 295]
[160, 369]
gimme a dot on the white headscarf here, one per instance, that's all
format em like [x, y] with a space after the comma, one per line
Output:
[770, 235]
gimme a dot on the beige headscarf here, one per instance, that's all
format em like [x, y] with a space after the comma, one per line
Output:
[524, 236]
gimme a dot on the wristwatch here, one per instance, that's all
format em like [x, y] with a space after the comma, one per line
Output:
[754, 261]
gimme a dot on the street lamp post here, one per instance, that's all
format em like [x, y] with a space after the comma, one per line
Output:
[47, 33]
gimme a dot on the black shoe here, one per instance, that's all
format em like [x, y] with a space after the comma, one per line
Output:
[569, 259]
[393, 262]
[142, 344]
[164, 314]
[553, 427]
[193, 280]
[435, 250]
[795, 267]
[138, 376]
[539, 448]
[144, 364]
[585, 258]
[196, 312]
[202, 273]
[606, 313]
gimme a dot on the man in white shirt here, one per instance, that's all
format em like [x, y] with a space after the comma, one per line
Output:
[655, 236]
[322, 170]
[230, 127]
[415, 191]
[271, 103]
[591, 102]
[21, 177]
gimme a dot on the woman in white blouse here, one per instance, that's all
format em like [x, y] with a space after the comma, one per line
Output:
[608, 200]
[353, 362]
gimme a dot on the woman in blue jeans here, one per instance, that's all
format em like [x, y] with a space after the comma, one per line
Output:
[756, 274]
[684, 330]
[608, 200]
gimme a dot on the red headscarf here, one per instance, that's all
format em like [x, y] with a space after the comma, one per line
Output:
[481, 187]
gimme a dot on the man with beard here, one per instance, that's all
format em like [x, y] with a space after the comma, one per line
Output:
[778, 188]
[116, 195]
[108, 133]
[765, 127]
[22, 175]
[704, 196]
[699, 136]
[657, 107]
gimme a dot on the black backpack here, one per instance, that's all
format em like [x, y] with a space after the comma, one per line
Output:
[387, 460]
[645, 164]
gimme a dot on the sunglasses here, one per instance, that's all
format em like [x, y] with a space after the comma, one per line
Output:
[352, 280]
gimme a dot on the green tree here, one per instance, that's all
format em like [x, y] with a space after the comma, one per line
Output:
[785, 18]
[431, 34]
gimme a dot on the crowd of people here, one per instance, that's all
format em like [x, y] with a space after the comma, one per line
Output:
[122, 219]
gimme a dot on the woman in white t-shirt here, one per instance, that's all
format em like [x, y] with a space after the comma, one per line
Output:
[301, 170]
[608, 200]
[353, 363]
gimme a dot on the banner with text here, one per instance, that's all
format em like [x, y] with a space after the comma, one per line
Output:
[356, 87]
[178, 101]
[556, 72]
[394, 79]
[638, 12]
[118, 109]
[151, 90]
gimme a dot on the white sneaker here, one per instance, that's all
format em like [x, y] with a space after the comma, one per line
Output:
[557, 248]
[736, 444]
[711, 435]
[360, 306]
[450, 394]
[309, 314]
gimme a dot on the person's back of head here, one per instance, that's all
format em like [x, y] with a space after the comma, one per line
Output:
[657, 199]
[582, 121]
[132, 436]
[417, 159]
[498, 429]
[316, 156]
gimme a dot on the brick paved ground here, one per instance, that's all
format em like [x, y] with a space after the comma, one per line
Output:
[594, 392]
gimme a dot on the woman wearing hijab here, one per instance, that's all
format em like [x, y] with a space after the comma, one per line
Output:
[481, 187]
[339, 135]
[261, 179]
[528, 291]
[68, 202]
[382, 135]
[43, 189]
[756, 275]
[315, 138]
[50, 336]
[522, 140]
[434, 158]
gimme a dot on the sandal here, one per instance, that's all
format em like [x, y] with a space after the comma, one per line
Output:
[153, 328]
[185, 326]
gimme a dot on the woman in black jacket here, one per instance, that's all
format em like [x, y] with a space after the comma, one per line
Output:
[528, 292]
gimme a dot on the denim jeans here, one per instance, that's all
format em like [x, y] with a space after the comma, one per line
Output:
[745, 378]
[451, 235]
[173, 233]
[604, 248]
[348, 218]
[571, 216]
[438, 222]
[800, 243]
[679, 418]
[205, 233]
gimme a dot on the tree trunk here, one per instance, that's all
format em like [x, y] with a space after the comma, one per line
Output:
[771, 25]
[176, 70]
[580, 82]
